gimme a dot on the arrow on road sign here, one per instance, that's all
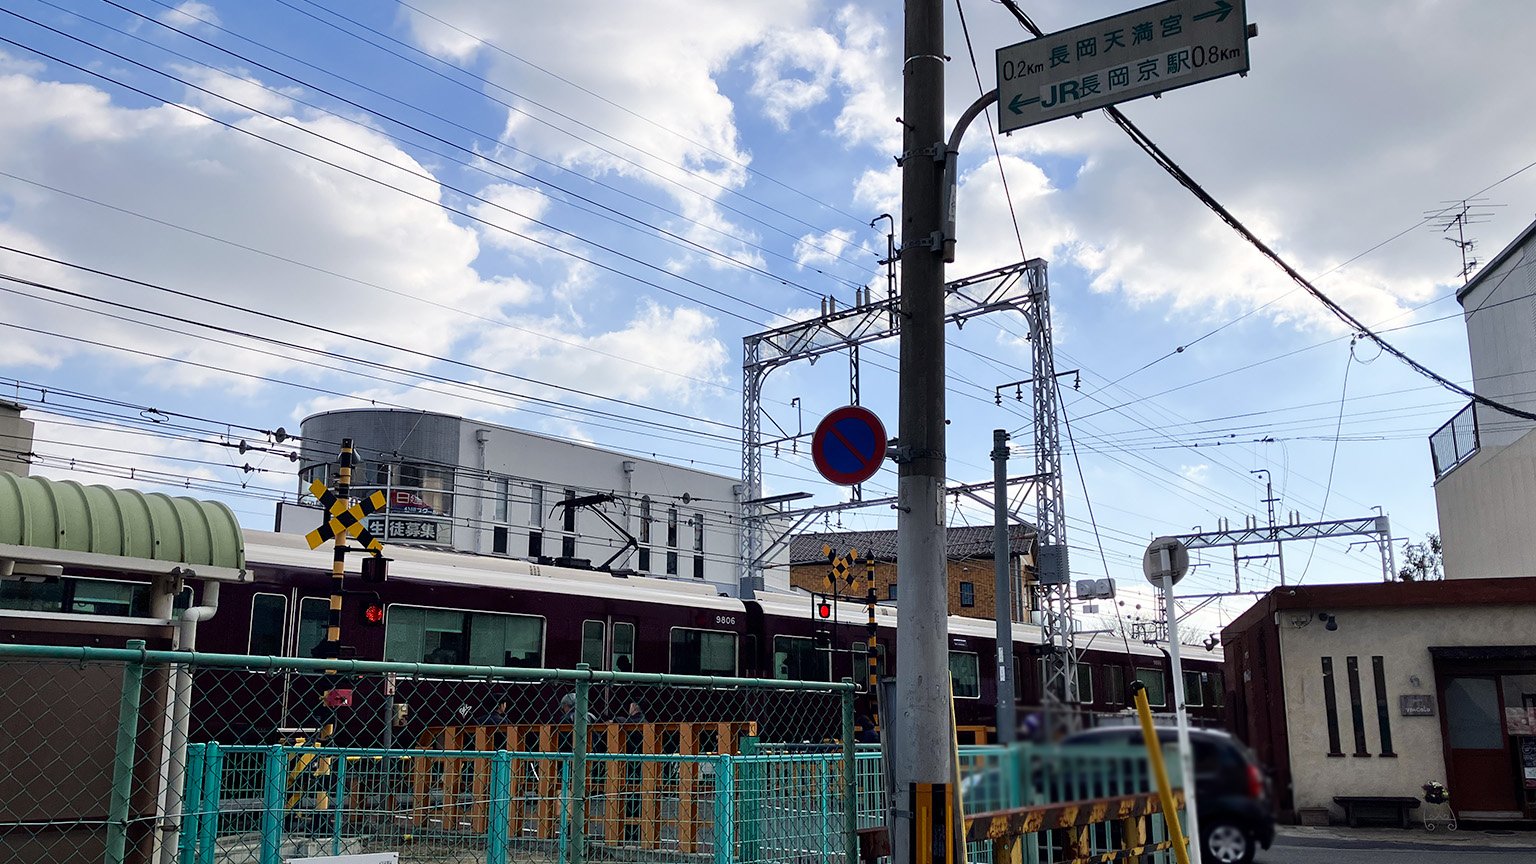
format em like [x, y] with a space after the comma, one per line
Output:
[1018, 103]
[1223, 9]
[344, 518]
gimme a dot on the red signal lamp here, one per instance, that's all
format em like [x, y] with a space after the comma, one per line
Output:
[373, 613]
[824, 609]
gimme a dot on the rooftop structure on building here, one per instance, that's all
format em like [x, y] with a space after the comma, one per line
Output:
[1485, 459]
[471, 486]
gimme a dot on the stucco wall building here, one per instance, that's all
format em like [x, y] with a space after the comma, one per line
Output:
[1414, 682]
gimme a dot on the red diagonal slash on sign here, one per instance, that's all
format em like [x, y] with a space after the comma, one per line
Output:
[834, 466]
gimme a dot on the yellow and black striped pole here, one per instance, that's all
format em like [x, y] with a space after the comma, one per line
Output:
[872, 637]
[1160, 772]
[339, 556]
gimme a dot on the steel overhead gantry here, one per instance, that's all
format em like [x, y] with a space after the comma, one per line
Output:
[1378, 528]
[848, 329]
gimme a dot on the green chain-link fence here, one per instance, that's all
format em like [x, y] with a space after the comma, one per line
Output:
[126, 755]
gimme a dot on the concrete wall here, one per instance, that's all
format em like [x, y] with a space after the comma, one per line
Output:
[1487, 506]
[561, 464]
[15, 439]
[1500, 314]
[1402, 637]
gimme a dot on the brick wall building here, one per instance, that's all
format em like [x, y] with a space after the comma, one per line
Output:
[972, 583]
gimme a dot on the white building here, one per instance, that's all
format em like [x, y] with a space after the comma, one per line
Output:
[477, 487]
[1485, 459]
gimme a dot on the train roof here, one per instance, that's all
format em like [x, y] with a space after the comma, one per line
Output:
[795, 604]
[290, 551]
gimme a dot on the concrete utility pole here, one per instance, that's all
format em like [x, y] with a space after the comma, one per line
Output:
[919, 750]
[1003, 607]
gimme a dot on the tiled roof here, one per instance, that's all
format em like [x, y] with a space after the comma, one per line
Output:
[969, 541]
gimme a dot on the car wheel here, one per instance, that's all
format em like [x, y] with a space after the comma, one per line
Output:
[1226, 843]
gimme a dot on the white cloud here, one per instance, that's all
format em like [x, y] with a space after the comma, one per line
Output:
[813, 249]
[1195, 474]
[241, 87]
[190, 13]
[187, 170]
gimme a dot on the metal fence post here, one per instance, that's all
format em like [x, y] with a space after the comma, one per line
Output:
[577, 790]
[208, 823]
[338, 800]
[850, 780]
[750, 804]
[122, 758]
[274, 785]
[725, 810]
[499, 809]
[191, 804]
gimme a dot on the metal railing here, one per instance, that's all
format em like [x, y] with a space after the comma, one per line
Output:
[1455, 442]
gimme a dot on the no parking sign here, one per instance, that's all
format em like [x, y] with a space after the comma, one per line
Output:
[848, 445]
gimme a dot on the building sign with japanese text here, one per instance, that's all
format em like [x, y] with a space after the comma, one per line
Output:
[410, 529]
[1151, 50]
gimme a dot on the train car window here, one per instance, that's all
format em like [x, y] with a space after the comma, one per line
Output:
[703, 652]
[92, 597]
[269, 617]
[965, 674]
[1194, 695]
[1114, 685]
[859, 670]
[592, 643]
[1085, 683]
[1157, 688]
[1216, 689]
[314, 617]
[623, 647]
[413, 634]
[32, 596]
[795, 658]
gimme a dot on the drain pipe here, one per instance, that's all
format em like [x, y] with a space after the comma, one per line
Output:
[174, 775]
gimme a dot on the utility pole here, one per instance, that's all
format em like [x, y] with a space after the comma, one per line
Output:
[1007, 726]
[921, 772]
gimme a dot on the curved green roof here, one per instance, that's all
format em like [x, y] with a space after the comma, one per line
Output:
[67, 516]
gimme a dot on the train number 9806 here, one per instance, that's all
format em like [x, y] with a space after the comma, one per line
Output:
[725, 620]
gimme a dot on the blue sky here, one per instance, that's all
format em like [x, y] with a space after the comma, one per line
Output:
[603, 199]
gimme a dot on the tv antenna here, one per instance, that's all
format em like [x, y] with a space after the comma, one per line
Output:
[1456, 217]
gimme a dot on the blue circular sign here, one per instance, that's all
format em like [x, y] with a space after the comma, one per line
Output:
[848, 445]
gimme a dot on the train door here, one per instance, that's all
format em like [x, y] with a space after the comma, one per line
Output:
[608, 645]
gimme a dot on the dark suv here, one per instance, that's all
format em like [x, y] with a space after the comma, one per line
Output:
[1234, 797]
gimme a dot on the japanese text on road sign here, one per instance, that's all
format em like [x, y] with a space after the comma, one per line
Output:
[1151, 50]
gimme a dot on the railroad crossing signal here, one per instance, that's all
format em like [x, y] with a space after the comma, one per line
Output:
[842, 567]
[345, 519]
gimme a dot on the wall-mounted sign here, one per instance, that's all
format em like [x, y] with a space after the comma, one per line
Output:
[409, 529]
[1416, 705]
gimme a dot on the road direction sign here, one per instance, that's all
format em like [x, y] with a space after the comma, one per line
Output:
[848, 445]
[1151, 50]
[1165, 556]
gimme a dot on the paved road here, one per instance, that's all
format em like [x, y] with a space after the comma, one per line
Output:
[1336, 850]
